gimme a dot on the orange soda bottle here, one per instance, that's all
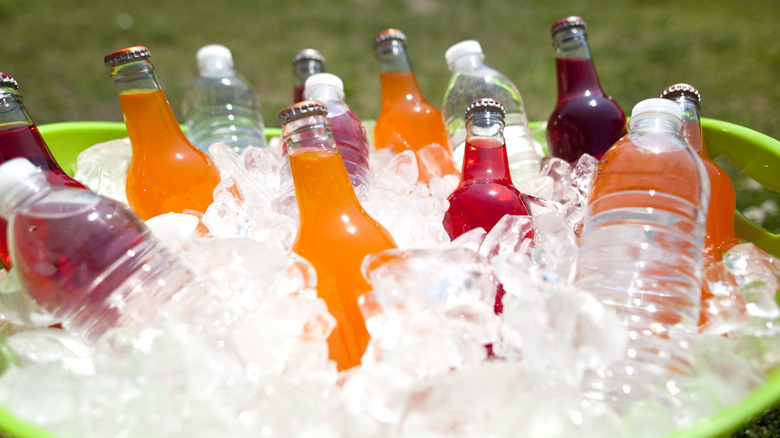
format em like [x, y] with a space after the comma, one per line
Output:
[166, 172]
[720, 234]
[407, 121]
[334, 231]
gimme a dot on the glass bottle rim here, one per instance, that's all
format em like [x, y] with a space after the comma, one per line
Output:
[127, 54]
[302, 109]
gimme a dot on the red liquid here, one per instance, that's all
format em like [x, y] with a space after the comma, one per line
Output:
[298, 93]
[585, 120]
[351, 139]
[24, 141]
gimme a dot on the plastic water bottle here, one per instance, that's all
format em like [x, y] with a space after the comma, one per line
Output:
[472, 79]
[641, 253]
[220, 105]
[346, 127]
[86, 259]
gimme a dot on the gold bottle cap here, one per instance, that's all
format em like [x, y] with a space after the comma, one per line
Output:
[127, 54]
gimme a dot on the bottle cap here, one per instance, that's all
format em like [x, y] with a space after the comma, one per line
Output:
[568, 22]
[13, 171]
[389, 34]
[485, 104]
[657, 105]
[208, 54]
[679, 89]
[468, 47]
[322, 80]
[302, 109]
[7, 80]
[127, 54]
[309, 54]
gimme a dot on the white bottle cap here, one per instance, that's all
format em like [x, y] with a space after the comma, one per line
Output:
[318, 80]
[12, 172]
[214, 58]
[657, 105]
[468, 47]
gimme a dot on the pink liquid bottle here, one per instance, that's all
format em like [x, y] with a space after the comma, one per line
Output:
[485, 193]
[86, 259]
[346, 127]
[19, 138]
[585, 119]
[305, 63]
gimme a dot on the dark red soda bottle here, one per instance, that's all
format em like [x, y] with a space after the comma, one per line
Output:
[305, 63]
[485, 193]
[585, 119]
[19, 138]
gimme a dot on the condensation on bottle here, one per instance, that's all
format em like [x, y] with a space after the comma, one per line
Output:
[641, 254]
[472, 79]
[220, 106]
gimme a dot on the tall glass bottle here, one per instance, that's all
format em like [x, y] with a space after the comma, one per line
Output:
[407, 121]
[19, 138]
[167, 173]
[305, 63]
[472, 79]
[585, 119]
[720, 234]
[334, 232]
[641, 253]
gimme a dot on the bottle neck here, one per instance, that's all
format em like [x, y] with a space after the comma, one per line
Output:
[12, 109]
[691, 129]
[305, 68]
[397, 80]
[576, 74]
[655, 122]
[134, 76]
[484, 157]
[392, 57]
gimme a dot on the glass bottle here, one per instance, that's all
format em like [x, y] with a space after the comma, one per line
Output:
[305, 63]
[472, 79]
[334, 232]
[641, 253]
[407, 121]
[347, 129]
[720, 235]
[19, 138]
[84, 258]
[585, 119]
[167, 173]
[220, 105]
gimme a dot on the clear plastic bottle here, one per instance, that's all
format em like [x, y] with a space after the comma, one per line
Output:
[167, 173]
[335, 233]
[220, 105]
[305, 63]
[346, 127]
[85, 258]
[585, 119]
[472, 79]
[641, 253]
[19, 138]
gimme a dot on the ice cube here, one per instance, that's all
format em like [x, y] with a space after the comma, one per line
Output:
[103, 168]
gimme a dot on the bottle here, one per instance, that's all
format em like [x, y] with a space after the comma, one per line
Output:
[86, 259]
[346, 127]
[585, 119]
[19, 138]
[641, 252]
[334, 232]
[167, 173]
[220, 104]
[305, 63]
[472, 79]
[407, 121]
[485, 192]
[720, 235]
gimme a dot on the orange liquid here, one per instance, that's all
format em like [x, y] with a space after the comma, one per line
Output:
[408, 122]
[166, 173]
[335, 234]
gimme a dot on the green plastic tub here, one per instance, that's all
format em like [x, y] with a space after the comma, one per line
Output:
[753, 153]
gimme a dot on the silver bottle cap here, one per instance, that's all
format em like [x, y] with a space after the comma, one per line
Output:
[483, 104]
[127, 54]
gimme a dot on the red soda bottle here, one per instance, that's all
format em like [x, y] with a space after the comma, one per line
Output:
[305, 63]
[585, 119]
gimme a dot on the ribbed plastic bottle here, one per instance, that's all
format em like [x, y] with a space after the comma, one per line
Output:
[220, 105]
[346, 127]
[87, 259]
[167, 173]
[19, 138]
[472, 79]
[407, 121]
[641, 253]
[334, 231]
[720, 234]
[305, 63]
[585, 119]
